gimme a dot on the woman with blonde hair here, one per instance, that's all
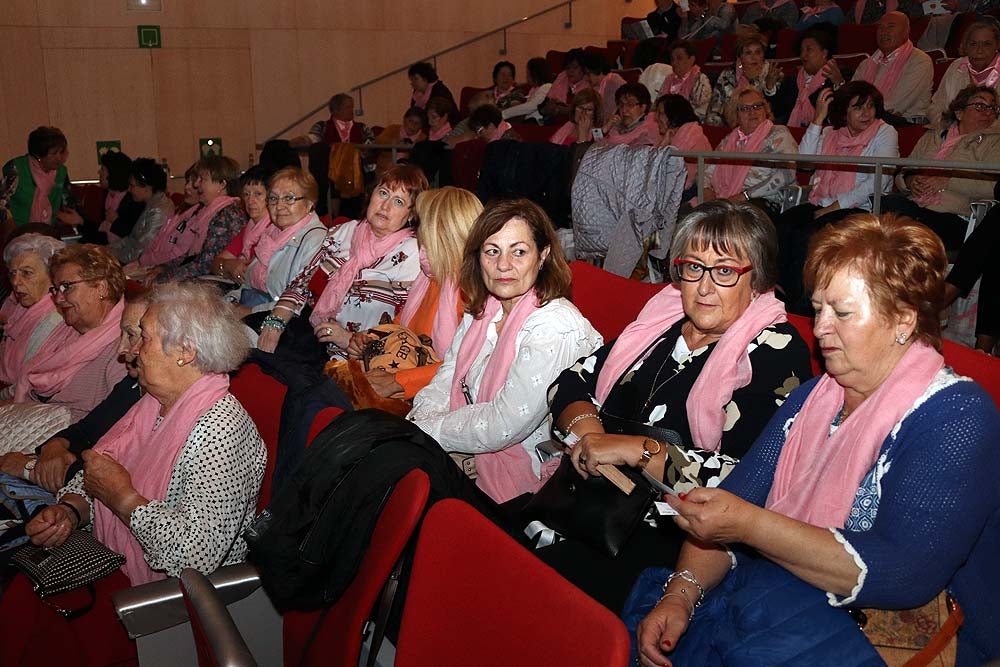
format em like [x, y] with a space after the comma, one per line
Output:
[434, 307]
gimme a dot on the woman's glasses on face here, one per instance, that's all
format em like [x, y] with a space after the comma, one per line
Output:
[746, 108]
[722, 275]
[982, 107]
[288, 199]
[66, 286]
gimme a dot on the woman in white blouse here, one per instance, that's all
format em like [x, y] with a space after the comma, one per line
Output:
[487, 404]
[174, 483]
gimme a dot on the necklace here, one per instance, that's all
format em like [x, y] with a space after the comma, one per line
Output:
[843, 414]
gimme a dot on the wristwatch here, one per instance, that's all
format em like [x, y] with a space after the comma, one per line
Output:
[647, 454]
[28, 467]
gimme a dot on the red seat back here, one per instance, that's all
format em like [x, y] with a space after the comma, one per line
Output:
[535, 134]
[338, 640]
[704, 48]
[940, 68]
[787, 38]
[958, 28]
[854, 38]
[261, 396]
[466, 161]
[727, 51]
[90, 198]
[909, 135]
[630, 75]
[610, 302]
[555, 60]
[468, 92]
[715, 134]
[625, 49]
[983, 368]
[917, 27]
[804, 325]
[476, 597]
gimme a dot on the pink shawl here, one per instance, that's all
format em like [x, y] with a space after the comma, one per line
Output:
[501, 129]
[947, 146]
[190, 240]
[160, 249]
[149, 451]
[41, 207]
[366, 249]
[690, 137]
[730, 179]
[251, 236]
[818, 474]
[884, 71]
[19, 325]
[565, 135]
[643, 133]
[445, 322]
[803, 111]
[828, 183]
[506, 473]
[440, 134]
[682, 86]
[64, 353]
[988, 77]
[728, 367]
[561, 90]
[271, 239]
[859, 8]
[421, 99]
[343, 128]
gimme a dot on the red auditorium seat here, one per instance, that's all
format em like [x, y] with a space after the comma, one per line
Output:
[704, 48]
[536, 134]
[909, 135]
[979, 366]
[610, 302]
[853, 38]
[727, 51]
[555, 60]
[715, 134]
[476, 597]
[940, 68]
[338, 639]
[466, 161]
[917, 27]
[90, 198]
[602, 52]
[789, 66]
[261, 396]
[616, 53]
[786, 43]
[468, 92]
[958, 28]
[630, 75]
[625, 49]
[178, 199]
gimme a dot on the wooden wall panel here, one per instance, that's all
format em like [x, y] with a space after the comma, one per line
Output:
[18, 12]
[173, 91]
[24, 98]
[274, 64]
[222, 99]
[89, 104]
[343, 14]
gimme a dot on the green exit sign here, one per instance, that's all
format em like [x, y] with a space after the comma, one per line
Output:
[149, 37]
[210, 146]
[112, 146]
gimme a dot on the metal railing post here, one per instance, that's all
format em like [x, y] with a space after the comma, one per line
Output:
[503, 49]
[877, 204]
[359, 110]
[569, 23]
[701, 178]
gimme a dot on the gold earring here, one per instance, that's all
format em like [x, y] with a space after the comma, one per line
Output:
[180, 362]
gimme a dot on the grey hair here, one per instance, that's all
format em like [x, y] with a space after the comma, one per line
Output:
[730, 228]
[195, 317]
[40, 244]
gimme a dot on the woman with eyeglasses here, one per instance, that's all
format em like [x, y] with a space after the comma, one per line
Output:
[77, 365]
[633, 124]
[147, 184]
[856, 129]
[754, 131]
[686, 388]
[587, 113]
[752, 69]
[362, 271]
[939, 199]
[274, 253]
[978, 66]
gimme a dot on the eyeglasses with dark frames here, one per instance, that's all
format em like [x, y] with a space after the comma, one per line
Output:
[66, 285]
[722, 275]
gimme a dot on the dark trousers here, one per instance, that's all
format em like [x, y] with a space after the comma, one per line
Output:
[978, 257]
[949, 227]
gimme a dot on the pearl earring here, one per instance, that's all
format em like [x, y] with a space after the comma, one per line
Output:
[180, 362]
[901, 338]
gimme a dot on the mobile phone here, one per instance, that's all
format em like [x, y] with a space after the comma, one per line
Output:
[815, 96]
[597, 133]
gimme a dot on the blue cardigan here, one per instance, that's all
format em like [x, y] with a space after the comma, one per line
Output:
[930, 520]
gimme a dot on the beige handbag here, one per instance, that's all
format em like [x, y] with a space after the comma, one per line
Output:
[916, 637]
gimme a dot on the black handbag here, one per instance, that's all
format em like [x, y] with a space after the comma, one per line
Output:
[591, 510]
[79, 561]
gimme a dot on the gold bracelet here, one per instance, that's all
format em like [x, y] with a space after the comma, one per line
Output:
[647, 453]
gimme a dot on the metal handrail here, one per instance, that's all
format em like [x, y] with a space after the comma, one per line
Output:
[433, 57]
[878, 162]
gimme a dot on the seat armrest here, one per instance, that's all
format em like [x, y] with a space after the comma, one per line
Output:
[156, 606]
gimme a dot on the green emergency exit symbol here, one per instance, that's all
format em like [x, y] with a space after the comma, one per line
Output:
[113, 146]
[149, 37]
[210, 146]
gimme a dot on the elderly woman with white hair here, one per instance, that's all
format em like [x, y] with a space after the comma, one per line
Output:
[171, 486]
[29, 314]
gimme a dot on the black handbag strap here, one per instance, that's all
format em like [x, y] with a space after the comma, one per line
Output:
[70, 614]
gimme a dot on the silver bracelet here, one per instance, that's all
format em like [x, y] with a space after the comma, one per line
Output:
[689, 577]
[683, 597]
[579, 418]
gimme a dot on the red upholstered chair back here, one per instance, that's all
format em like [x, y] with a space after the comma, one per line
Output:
[476, 597]
[715, 134]
[625, 49]
[261, 396]
[90, 198]
[787, 38]
[909, 135]
[982, 368]
[535, 134]
[610, 302]
[853, 38]
[468, 92]
[804, 325]
[958, 28]
[631, 75]
[555, 59]
[940, 68]
[466, 161]
[338, 641]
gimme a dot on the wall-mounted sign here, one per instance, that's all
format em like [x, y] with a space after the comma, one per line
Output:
[114, 146]
[210, 146]
[149, 37]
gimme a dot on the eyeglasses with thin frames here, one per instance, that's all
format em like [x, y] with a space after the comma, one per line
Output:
[721, 274]
[288, 199]
[756, 106]
[982, 107]
[66, 286]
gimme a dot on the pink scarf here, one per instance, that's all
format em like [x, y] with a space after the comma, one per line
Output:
[41, 207]
[690, 137]
[561, 90]
[728, 367]
[730, 179]
[343, 129]
[190, 240]
[149, 451]
[161, 249]
[111, 202]
[884, 71]
[501, 129]
[859, 8]
[441, 133]
[445, 322]
[565, 135]
[19, 325]
[366, 250]
[803, 111]
[497, 95]
[947, 146]
[643, 133]
[834, 182]
[271, 239]
[64, 353]
[507, 473]
[682, 86]
[421, 99]
[989, 76]
[251, 236]
[818, 474]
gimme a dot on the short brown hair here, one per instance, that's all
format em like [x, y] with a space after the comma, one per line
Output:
[749, 38]
[555, 277]
[301, 178]
[408, 177]
[902, 262]
[950, 115]
[222, 169]
[96, 263]
[583, 97]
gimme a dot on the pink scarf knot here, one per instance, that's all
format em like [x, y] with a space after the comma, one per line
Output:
[271, 240]
[730, 179]
[41, 206]
[804, 111]
[682, 86]
[833, 182]
[884, 70]
[988, 76]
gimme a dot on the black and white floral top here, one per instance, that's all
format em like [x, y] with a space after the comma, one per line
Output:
[654, 391]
